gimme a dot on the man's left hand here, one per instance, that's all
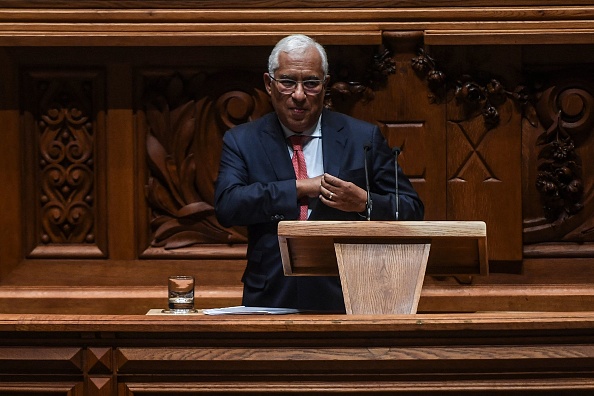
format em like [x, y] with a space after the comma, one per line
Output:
[342, 195]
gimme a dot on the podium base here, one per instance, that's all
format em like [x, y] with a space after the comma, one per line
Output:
[382, 278]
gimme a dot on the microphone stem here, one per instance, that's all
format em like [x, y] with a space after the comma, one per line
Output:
[369, 203]
[396, 152]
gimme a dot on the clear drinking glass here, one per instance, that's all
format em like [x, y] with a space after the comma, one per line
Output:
[181, 293]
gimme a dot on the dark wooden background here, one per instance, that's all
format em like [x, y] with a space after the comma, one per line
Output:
[112, 114]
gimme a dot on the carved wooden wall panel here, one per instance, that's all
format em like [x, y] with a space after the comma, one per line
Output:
[181, 121]
[409, 121]
[482, 139]
[558, 207]
[146, 122]
[64, 132]
[483, 181]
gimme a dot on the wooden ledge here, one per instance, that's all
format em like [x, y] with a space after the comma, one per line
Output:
[207, 25]
[509, 37]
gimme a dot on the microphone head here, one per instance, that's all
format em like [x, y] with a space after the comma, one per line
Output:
[367, 146]
[396, 150]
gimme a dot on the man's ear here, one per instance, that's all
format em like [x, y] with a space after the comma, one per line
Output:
[267, 82]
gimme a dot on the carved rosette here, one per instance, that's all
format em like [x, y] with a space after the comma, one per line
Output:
[186, 118]
[66, 161]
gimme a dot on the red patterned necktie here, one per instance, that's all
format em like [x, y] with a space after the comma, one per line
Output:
[300, 169]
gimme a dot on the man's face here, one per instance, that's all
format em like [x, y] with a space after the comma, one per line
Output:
[298, 110]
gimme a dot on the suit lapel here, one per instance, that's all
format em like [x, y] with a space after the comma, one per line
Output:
[333, 142]
[275, 148]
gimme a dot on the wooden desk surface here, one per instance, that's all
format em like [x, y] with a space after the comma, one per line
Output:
[466, 322]
[500, 352]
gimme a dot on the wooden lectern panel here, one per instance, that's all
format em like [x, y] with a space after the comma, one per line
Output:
[457, 247]
[382, 264]
[395, 288]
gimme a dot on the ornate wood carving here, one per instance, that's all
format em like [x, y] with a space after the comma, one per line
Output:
[360, 85]
[66, 161]
[564, 104]
[63, 115]
[481, 94]
[186, 116]
[482, 146]
[560, 110]
[559, 178]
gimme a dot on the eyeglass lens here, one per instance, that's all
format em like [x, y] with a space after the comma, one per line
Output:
[287, 85]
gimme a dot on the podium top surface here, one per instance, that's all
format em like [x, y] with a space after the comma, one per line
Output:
[383, 229]
[457, 247]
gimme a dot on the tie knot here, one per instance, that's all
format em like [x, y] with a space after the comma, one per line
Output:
[297, 142]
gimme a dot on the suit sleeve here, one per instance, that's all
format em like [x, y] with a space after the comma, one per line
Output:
[246, 191]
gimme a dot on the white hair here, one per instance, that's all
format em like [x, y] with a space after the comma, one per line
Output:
[296, 43]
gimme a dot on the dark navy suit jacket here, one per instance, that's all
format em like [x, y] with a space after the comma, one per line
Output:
[256, 188]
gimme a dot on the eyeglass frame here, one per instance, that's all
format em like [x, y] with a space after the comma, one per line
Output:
[302, 82]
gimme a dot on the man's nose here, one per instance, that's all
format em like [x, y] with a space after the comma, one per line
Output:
[299, 92]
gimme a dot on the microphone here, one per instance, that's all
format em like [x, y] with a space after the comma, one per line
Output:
[369, 204]
[396, 152]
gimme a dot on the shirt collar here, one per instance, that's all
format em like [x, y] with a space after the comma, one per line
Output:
[313, 132]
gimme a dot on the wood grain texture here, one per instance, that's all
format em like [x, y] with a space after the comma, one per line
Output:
[380, 278]
[535, 264]
[316, 354]
[253, 23]
[457, 247]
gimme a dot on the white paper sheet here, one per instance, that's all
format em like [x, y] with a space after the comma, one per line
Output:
[242, 310]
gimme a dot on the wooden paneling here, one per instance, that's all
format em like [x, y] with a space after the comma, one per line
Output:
[160, 83]
[499, 353]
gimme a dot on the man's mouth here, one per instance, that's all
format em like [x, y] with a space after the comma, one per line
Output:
[298, 110]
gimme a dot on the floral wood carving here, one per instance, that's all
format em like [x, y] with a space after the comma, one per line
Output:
[373, 77]
[559, 173]
[186, 118]
[66, 151]
[565, 109]
[477, 95]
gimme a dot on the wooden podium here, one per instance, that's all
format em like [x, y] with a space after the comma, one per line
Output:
[382, 264]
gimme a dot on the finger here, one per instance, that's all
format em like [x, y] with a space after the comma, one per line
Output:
[331, 180]
[328, 194]
[328, 197]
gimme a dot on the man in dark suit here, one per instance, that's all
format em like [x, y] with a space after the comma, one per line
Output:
[258, 185]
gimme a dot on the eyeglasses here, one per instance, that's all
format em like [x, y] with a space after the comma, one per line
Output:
[288, 86]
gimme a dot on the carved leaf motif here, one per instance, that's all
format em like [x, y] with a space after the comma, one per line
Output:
[160, 197]
[188, 174]
[160, 164]
[181, 217]
[195, 210]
